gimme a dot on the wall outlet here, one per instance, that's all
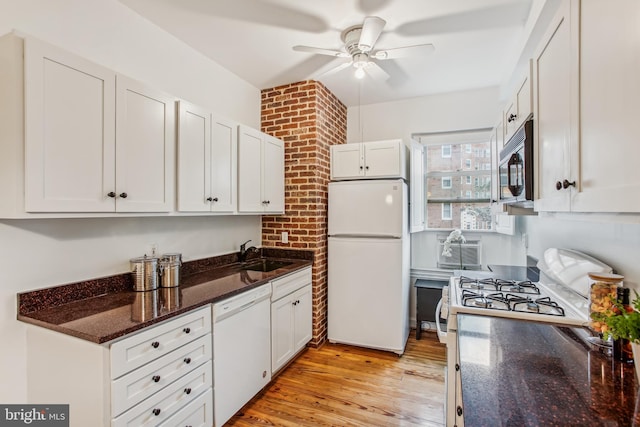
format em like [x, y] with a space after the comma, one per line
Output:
[525, 240]
[285, 237]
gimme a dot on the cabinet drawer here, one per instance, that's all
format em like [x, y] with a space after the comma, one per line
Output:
[198, 413]
[286, 285]
[161, 406]
[128, 390]
[154, 342]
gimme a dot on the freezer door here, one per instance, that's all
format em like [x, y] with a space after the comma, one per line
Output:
[368, 292]
[368, 208]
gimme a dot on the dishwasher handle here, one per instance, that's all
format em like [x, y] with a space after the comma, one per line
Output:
[224, 309]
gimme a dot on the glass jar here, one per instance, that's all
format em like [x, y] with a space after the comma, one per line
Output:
[602, 294]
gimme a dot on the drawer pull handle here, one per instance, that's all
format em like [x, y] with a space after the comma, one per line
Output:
[187, 360]
[155, 378]
[187, 390]
[186, 330]
[155, 344]
[156, 411]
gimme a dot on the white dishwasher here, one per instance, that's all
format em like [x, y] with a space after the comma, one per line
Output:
[241, 350]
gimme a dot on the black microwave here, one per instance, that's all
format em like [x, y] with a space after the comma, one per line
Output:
[516, 167]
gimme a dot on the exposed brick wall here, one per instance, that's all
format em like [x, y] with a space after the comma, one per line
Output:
[309, 119]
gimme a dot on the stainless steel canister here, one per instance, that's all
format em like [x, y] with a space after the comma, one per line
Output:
[170, 270]
[170, 298]
[145, 273]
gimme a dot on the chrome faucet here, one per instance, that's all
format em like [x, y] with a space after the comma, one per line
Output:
[244, 251]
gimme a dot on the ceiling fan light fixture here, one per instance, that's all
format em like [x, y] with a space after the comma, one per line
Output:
[359, 73]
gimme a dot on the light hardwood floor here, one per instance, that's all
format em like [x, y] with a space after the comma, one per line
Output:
[340, 385]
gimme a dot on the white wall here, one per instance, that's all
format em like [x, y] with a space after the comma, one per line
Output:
[42, 253]
[473, 109]
[614, 243]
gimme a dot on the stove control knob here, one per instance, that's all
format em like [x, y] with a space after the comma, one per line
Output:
[459, 411]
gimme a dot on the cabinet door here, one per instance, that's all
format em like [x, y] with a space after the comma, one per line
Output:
[510, 118]
[302, 318]
[69, 132]
[281, 332]
[249, 170]
[417, 188]
[346, 161]
[556, 74]
[382, 159]
[609, 64]
[145, 148]
[224, 158]
[273, 174]
[194, 158]
[523, 97]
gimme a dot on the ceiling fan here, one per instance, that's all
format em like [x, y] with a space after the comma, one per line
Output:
[359, 42]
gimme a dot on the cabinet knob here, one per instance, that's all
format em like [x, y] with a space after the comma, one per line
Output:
[187, 391]
[111, 194]
[512, 117]
[155, 378]
[156, 411]
[123, 195]
[459, 411]
[215, 199]
[558, 185]
[264, 374]
[187, 360]
[155, 344]
[567, 184]
[366, 167]
[186, 330]
[209, 199]
[361, 168]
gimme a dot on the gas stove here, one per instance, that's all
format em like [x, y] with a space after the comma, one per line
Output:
[523, 300]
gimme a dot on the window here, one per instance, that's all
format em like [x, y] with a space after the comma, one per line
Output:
[458, 182]
[446, 212]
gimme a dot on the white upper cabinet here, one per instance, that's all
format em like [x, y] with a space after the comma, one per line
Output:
[520, 106]
[260, 172]
[90, 141]
[69, 131]
[346, 161]
[145, 148]
[609, 93]
[556, 71]
[377, 159]
[207, 156]
[418, 204]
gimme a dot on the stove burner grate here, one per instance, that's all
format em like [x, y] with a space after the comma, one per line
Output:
[542, 305]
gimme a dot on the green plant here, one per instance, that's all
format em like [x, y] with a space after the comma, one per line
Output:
[621, 322]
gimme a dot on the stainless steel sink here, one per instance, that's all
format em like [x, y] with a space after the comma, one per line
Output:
[265, 265]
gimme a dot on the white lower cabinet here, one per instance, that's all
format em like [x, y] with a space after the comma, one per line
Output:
[158, 376]
[291, 317]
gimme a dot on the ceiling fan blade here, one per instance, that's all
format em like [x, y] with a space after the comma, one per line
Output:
[375, 71]
[371, 30]
[320, 51]
[330, 71]
[401, 52]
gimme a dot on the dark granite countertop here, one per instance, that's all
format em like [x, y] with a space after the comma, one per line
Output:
[103, 309]
[519, 373]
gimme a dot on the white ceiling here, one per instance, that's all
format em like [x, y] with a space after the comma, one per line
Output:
[476, 41]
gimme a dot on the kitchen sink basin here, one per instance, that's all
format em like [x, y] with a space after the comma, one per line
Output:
[265, 265]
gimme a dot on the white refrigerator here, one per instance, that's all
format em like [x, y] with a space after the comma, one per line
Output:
[368, 264]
